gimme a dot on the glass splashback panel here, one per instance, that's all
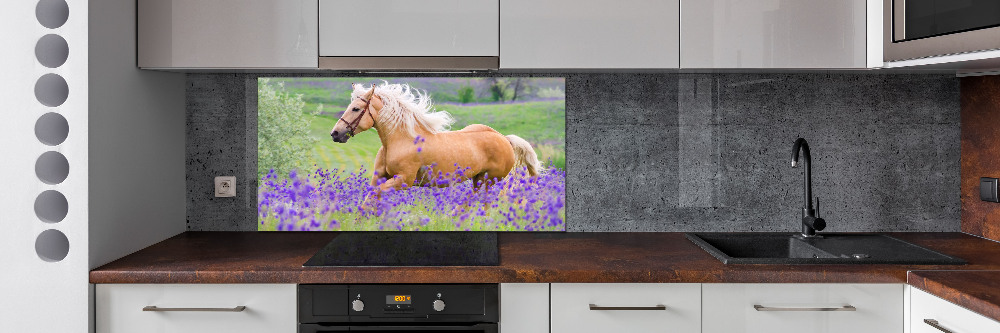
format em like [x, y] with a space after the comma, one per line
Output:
[423, 154]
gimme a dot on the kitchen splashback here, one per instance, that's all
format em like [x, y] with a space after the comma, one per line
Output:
[682, 152]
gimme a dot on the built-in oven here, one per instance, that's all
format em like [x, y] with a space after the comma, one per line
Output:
[465, 308]
[927, 28]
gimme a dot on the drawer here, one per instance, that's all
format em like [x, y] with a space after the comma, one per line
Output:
[269, 308]
[949, 316]
[626, 307]
[730, 308]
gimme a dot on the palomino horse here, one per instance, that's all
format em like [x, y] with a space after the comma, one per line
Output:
[416, 143]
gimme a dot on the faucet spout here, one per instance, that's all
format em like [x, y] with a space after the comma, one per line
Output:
[810, 222]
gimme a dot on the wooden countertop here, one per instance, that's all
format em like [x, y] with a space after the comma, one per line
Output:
[978, 291]
[277, 257]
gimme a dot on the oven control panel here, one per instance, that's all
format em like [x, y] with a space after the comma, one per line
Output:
[398, 303]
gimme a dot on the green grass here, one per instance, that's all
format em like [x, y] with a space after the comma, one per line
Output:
[359, 150]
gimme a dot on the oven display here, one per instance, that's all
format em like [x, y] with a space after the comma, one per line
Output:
[397, 299]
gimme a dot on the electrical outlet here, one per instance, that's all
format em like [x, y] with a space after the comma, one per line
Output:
[225, 186]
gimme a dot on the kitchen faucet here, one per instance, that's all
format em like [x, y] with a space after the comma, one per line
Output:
[810, 222]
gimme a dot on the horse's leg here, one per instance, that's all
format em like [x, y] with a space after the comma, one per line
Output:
[399, 181]
[379, 174]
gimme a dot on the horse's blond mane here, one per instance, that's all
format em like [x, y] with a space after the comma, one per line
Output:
[404, 110]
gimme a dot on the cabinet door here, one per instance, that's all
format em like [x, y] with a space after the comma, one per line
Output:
[951, 317]
[589, 34]
[773, 34]
[269, 308]
[524, 307]
[802, 308]
[626, 307]
[409, 28]
[227, 34]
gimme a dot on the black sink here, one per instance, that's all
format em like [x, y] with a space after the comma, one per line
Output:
[788, 248]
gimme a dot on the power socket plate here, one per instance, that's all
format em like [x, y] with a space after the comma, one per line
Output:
[225, 186]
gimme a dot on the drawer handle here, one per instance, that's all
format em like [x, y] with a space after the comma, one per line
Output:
[233, 309]
[628, 308]
[937, 325]
[759, 307]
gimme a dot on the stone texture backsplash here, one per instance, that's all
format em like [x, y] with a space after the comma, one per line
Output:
[682, 152]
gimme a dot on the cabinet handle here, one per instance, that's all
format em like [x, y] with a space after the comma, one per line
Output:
[630, 308]
[935, 324]
[759, 307]
[233, 309]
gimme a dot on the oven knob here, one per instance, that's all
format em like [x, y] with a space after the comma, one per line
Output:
[358, 305]
[438, 305]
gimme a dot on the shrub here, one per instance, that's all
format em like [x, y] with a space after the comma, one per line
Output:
[282, 128]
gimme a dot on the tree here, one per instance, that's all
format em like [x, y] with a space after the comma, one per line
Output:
[282, 128]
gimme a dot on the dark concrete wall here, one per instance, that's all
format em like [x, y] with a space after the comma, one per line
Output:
[683, 152]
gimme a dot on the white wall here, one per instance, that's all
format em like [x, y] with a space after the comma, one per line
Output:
[137, 188]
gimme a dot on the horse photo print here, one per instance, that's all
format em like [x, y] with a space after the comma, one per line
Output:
[411, 154]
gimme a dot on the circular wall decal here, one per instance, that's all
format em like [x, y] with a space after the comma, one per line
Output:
[51, 51]
[51, 206]
[52, 245]
[52, 13]
[51, 90]
[51, 129]
[52, 167]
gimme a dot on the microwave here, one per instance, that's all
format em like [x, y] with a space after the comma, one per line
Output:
[916, 29]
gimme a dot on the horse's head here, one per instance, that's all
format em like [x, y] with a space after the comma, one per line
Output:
[359, 116]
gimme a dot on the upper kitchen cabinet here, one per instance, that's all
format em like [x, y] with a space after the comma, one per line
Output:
[781, 34]
[220, 34]
[582, 34]
[409, 35]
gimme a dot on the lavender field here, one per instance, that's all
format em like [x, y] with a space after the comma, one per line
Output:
[331, 200]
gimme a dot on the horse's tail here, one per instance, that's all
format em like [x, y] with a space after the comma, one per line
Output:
[524, 155]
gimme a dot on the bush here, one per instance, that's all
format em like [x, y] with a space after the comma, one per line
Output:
[282, 128]
[466, 95]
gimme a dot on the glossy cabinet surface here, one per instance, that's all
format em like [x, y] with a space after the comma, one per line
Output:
[951, 317]
[730, 308]
[524, 307]
[642, 307]
[589, 34]
[403, 28]
[774, 34]
[269, 308]
[227, 34]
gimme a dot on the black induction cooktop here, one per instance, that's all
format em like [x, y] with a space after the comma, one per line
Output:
[408, 248]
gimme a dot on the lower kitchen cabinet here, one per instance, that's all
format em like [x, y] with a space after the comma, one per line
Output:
[196, 308]
[524, 308]
[802, 308]
[626, 307]
[930, 314]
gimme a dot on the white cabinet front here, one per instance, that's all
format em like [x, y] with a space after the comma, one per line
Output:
[409, 28]
[196, 308]
[227, 34]
[774, 34]
[589, 34]
[626, 307]
[930, 314]
[524, 307]
[802, 308]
